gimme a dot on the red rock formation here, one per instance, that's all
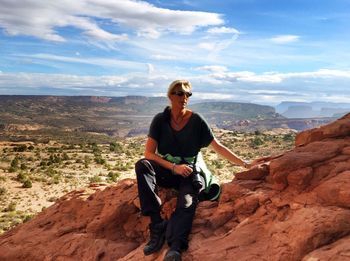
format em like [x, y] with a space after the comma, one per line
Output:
[292, 207]
[336, 129]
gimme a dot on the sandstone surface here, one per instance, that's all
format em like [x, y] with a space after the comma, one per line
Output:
[292, 207]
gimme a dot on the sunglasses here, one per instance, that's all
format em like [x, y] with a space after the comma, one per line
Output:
[182, 93]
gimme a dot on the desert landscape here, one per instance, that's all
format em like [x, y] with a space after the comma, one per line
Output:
[59, 170]
[33, 176]
[292, 206]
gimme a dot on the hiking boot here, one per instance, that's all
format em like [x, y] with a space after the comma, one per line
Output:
[157, 238]
[172, 255]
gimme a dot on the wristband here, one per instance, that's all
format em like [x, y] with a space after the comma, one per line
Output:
[173, 168]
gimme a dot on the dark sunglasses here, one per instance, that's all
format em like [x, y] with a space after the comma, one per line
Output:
[182, 93]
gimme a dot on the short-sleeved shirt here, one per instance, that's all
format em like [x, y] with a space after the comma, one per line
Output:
[187, 142]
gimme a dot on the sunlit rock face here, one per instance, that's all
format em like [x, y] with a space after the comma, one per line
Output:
[295, 206]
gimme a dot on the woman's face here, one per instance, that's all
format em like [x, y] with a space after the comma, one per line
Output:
[179, 96]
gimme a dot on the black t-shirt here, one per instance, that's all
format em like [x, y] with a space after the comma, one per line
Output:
[187, 142]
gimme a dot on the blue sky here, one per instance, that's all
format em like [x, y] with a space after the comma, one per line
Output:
[260, 51]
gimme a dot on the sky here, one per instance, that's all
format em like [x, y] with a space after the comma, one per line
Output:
[259, 51]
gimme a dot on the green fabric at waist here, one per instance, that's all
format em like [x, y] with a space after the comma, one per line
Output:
[212, 188]
[177, 159]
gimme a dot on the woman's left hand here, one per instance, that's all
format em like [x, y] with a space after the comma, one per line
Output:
[183, 170]
[248, 164]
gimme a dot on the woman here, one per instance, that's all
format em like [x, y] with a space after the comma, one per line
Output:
[172, 148]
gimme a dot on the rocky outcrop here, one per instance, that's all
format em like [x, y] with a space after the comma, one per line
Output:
[295, 206]
[336, 129]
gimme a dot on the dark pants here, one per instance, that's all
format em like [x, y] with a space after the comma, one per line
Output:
[150, 175]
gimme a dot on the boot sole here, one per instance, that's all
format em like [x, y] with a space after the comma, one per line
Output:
[160, 245]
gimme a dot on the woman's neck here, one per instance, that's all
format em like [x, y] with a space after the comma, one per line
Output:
[178, 113]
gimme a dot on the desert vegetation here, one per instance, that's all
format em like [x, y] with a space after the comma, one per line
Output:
[34, 175]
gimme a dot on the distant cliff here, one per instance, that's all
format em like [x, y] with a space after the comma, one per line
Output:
[312, 109]
[111, 116]
[236, 110]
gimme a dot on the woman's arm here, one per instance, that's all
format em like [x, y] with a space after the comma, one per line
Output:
[150, 154]
[228, 154]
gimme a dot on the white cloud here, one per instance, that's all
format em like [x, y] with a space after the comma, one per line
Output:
[216, 96]
[207, 46]
[275, 77]
[63, 81]
[269, 87]
[43, 19]
[284, 39]
[218, 39]
[223, 30]
[103, 62]
[272, 92]
[245, 76]
[150, 33]
[322, 73]
[150, 68]
[213, 68]
[163, 57]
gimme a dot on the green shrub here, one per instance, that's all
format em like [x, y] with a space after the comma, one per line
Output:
[218, 164]
[115, 147]
[14, 162]
[257, 132]
[27, 184]
[56, 179]
[65, 156]
[52, 149]
[113, 176]
[100, 160]
[95, 149]
[256, 142]
[20, 148]
[12, 169]
[288, 137]
[43, 163]
[52, 199]
[95, 179]
[11, 207]
[2, 191]
[51, 172]
[27, 217]
[21, 177]
[87, 159]
[54, 158]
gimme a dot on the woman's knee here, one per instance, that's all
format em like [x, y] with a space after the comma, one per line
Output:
[143, 166]
[140, 166]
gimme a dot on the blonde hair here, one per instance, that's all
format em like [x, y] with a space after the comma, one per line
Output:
[185, 85]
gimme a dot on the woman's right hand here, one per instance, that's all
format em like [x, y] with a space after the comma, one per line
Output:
[183, 170]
